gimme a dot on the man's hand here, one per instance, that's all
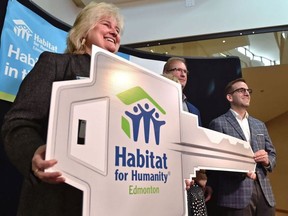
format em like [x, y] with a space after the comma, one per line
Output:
[261, 156]
[252, 175]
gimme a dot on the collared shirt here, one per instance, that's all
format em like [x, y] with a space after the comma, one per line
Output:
[243, 122]
[185, 107]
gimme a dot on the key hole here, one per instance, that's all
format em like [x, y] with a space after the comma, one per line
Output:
[81, 132]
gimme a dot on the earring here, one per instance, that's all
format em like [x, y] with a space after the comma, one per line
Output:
[83, 42]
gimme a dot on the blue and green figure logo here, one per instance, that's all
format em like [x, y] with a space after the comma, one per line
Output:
[146, 112]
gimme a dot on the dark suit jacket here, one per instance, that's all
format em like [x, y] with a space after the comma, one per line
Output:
[235, 189]
[25, 129]
[194, 110]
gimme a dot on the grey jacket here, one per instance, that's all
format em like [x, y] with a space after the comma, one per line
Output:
[235, 189]
[25, 129]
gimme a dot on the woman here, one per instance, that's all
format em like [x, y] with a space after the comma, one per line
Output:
[25, 126]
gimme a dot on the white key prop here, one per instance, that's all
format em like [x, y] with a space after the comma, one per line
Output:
[121, 136]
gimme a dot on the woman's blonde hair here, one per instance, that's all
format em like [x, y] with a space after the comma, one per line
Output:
[171, 77]
[86, 20]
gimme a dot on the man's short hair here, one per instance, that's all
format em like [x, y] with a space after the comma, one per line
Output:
[228, 87]
[170, 61]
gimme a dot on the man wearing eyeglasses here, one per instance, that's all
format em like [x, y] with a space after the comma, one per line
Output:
[176, 69]
[239, 194]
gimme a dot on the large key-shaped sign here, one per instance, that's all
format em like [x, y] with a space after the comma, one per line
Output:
[121, 136]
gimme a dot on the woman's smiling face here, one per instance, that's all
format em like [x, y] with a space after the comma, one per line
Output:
[105, 34]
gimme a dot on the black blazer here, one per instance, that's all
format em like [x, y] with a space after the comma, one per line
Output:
[194, 110]
[25, 129]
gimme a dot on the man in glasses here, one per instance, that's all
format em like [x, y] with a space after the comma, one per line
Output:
[176, 69]
[240, 194]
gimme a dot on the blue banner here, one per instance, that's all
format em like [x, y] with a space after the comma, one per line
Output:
[25, 36]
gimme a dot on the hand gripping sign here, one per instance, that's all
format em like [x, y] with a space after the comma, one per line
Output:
[121, 136]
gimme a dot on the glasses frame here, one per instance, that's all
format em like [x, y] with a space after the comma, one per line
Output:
[242, 91]
[178, 69]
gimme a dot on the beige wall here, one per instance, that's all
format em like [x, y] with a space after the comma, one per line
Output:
[278, 130]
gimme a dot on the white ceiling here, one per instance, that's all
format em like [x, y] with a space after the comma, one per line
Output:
[269, 98]
[116, 2]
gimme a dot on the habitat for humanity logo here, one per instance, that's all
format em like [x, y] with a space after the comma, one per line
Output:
[40, 44]
[22, 30]
[143, 114]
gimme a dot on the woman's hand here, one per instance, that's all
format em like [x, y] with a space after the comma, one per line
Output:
[208, 193]
[39, 164]
[189, 183]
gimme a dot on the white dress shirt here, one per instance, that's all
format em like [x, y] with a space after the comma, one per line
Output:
[243, 122]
